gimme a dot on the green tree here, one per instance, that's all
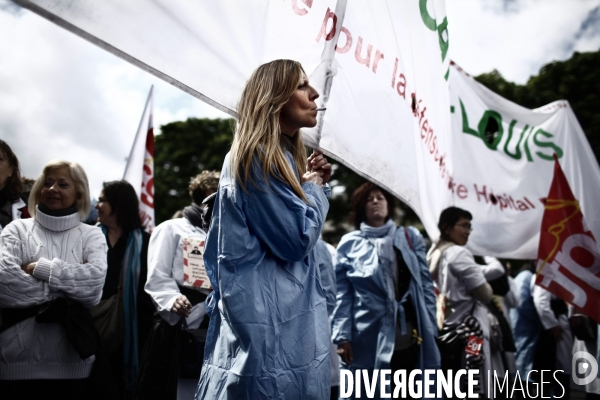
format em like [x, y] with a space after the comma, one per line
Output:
[182, 151]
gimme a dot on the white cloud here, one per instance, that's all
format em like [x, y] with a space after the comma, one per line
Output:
[65, 98]
[589, 33]
[517, 37]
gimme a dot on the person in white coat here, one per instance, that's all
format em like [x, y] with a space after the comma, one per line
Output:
[177, 304]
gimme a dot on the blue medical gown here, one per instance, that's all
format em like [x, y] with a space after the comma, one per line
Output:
[268, 335]
[526, 325]
[366, 310]
[327, 271]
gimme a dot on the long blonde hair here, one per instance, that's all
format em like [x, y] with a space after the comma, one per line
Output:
[257, 132]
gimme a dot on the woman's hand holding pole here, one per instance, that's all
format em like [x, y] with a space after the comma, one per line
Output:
[319, 164]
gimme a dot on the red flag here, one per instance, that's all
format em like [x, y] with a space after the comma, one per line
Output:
[140, 165]
[568, 258]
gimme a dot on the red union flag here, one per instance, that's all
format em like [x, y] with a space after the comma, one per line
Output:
[140, 166]
[568, 258]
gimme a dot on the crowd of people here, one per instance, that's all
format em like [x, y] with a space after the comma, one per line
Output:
[97, 307]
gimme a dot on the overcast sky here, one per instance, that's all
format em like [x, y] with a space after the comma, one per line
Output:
[62, 97]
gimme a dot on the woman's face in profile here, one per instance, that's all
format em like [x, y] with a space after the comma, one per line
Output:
[105, 213]
[460, 232]
[59, 190]
[301, 110]
[6, 170]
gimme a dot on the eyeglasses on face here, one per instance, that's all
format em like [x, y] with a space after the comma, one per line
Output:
[466, 226]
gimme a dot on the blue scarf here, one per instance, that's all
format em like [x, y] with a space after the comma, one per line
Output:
[383, 240]
[131, 276]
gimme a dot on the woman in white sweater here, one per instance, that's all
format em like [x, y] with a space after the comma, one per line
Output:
[52, 255]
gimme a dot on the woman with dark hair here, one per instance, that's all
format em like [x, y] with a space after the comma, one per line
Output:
[384, 316]
[12, 206]
[462, 284]
[124, 315]
[268, 336]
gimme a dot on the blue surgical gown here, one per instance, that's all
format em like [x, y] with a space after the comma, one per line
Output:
[526, 325]
[367, 312]
[268, 336]
[327, 271]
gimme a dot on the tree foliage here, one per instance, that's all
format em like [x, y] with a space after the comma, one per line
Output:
[182, 151]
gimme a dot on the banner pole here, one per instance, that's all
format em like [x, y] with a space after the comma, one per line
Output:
[138, 131]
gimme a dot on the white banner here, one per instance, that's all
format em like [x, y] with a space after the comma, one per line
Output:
[384, 84]
[503, 166]
[389, 94]
[139, 170]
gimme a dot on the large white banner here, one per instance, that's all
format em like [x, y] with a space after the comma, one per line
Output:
[387, 114]
[381, 68]
[503, 162]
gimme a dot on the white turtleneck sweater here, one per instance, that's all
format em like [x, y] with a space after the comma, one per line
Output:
[71, 262]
